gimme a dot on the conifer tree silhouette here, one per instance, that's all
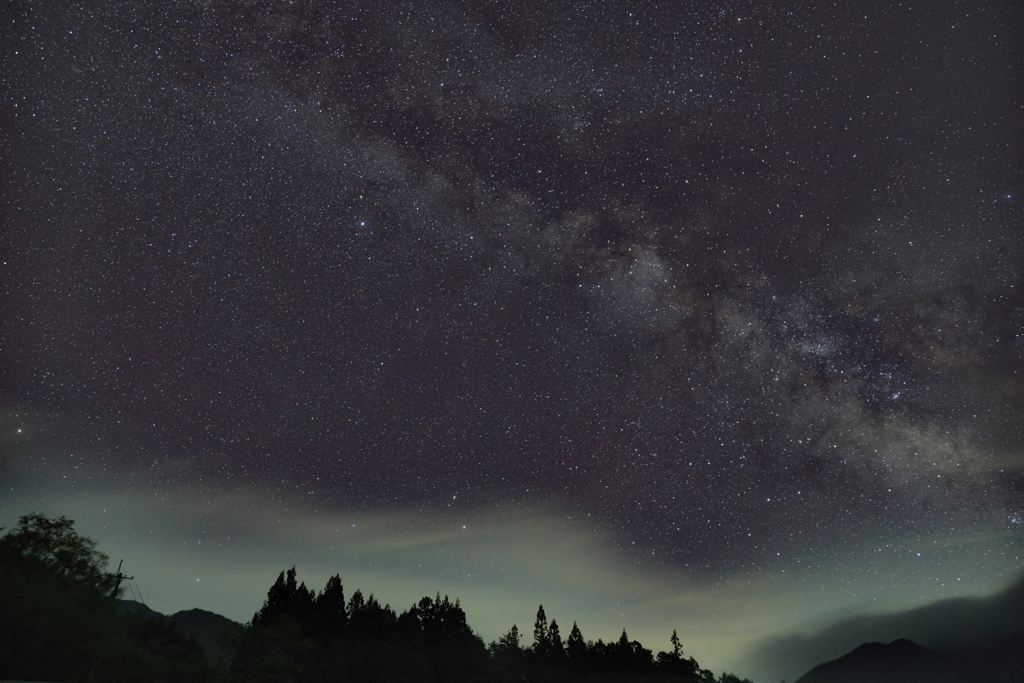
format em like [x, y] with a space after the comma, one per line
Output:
[541, 636]
[557, 647]
[575, 648]
[285, 598]
[329, 612]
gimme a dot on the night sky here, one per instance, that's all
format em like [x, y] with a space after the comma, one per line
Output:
[693, 315]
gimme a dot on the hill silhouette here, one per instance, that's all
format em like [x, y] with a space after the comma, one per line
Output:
[203, 626]
[901, 661]
[206, 627]
[135, 607]
[989, 632]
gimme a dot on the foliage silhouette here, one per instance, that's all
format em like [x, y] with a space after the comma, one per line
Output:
[59, 621]
[307, 638]
[285, 599]
[541, 637]
[56, 545]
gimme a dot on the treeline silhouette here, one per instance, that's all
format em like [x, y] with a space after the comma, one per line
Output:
[302, 635]
[60, 621]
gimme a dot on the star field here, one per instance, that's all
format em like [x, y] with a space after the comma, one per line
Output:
[734, 286]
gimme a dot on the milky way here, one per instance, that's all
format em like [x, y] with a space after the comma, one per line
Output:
[739, 284]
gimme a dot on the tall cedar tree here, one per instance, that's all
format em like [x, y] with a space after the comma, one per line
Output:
[541, 637]
[329, 612]
[556, 644]
[575, 648]
[285, 599]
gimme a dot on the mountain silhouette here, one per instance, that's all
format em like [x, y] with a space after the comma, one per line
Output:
[133, 607]
[901, 661]
[201, 624]
[987, 633]
[205, 627]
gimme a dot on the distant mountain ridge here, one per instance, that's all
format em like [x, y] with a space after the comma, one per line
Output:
[205, 627]
[984, 637]
[904, 661]
[901, 661]
[201, 624]
[137, 607]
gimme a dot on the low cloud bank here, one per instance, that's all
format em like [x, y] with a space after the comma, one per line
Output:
[947, 625]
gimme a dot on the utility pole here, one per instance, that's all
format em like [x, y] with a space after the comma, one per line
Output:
[120, 577]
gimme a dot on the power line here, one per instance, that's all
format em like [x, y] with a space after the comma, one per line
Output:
[33, 501]
[43, 503]
[14, 499]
